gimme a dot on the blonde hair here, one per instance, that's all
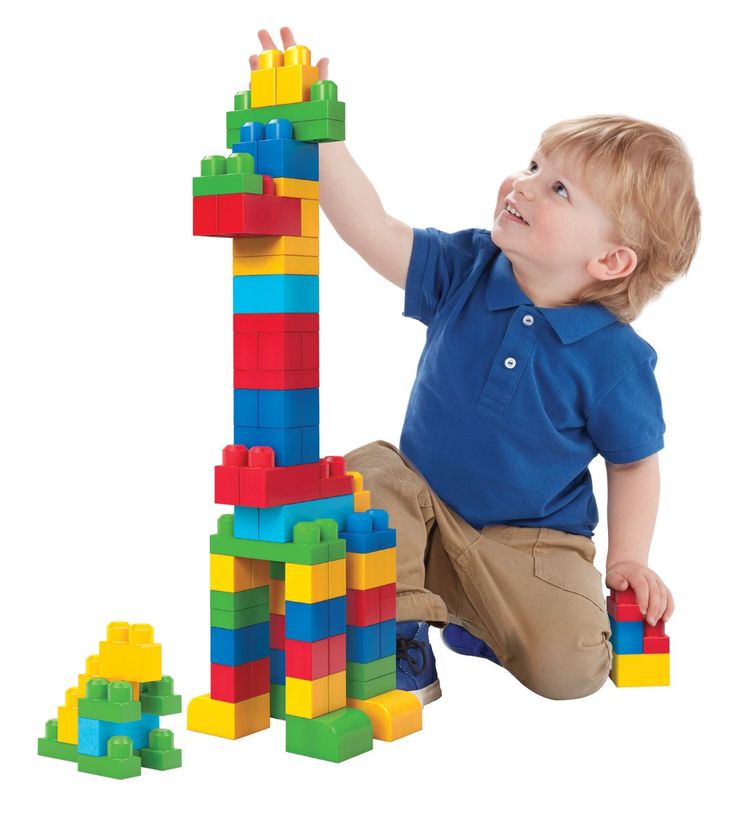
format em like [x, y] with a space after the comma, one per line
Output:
[643, 176]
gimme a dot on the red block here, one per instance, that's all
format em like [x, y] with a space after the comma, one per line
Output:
[205, 216]
[623, 612]
[235, 683]
[227, 476]
[275, 379]
[245, 351]
[363, 606]
[336, 646]
[336, 486]
[388, 601]
[310, 351]
[308, 660]
[278, 485]
[279, 351]
[656, 644]
[654, 630]
[276, 631]
[275, 322]
[624, 596]
[244, 214]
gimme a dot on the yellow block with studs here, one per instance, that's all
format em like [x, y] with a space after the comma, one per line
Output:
[392, 714]
[368, 570]
[268, 245]
[295, 188]
[336, 691]
[641, 670]
[336, 578]
[130, 653]
[263, 79]
[277, 596]
[230, 720]
[91, 670]
[230, 574]
[307, 698]
[307, 583]
[68, 718]
[310, 218]
[361, 497]
[275, 264]
[296, 77]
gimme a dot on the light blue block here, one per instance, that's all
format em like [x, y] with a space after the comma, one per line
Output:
[627, 637]
[276, 524]
[94, 734]
[276, 293]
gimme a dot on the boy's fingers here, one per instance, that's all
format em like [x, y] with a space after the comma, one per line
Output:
[670, 607]
[287, 37]
[253, 62]
[641, 590]
[322, 68]
[266, 42]
[656, 605]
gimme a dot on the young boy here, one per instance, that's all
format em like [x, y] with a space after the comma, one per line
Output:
[530, 369]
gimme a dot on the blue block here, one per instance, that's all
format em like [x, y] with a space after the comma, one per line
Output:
[288, 444]
[278, 666]
[310, 442]
[388, 637]
[94, 734]
[281, 157]
[368, 531]
[234, 647]
[276, 293]
[245, 407]
[364, 643]
[250, 134]
[627, 637]
[286, 408]
[306, 622]
[276, 524]
[336, 614]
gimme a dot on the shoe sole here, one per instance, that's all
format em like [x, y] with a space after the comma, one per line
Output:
[428, 694]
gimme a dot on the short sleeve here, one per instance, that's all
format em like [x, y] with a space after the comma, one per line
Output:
[440, 262]
[627, 424]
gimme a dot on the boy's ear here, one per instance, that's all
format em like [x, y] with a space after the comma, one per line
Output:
[617, 263]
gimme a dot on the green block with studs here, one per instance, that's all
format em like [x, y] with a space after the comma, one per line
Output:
[111, 702]
[49, 746]
[157, 697]
[161, 754]
[120, 762]
[227, 176]
[236, 619]
[242, 600]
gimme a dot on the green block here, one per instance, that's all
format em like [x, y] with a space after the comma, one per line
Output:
[49, 746]
[335, 737]
[161, 754]
[372, 669]
[110, 702]
[336, 549]
[295, 112]
[120, 762]
[220, 600]
[157, 697]
[235, 619]
[227, 185]
[317, 131]
[277, 570]
[278, 701]
[363, 689]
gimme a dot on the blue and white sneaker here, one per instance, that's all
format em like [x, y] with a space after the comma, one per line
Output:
[415, 663]
[459, 640]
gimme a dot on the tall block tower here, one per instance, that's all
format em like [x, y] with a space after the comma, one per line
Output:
[303, 572]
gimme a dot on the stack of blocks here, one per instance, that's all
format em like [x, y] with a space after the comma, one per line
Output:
[641, 651]
[109, 723]
[303, 573]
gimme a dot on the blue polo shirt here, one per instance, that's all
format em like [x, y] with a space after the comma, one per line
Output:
[511, 402]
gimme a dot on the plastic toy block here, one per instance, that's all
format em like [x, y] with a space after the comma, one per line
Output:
[277, 659]
[276, 293]
[364, 607]
[627, 596]
[233, 647]
[297, 75]
[335, 737]
[161, 754]
[204, 216]
[307, 583]
[235, 619]
[229, 720]
[277, 153]
[307, 698]
[388, 601]
[656, 644]
[337, 653]
[280, 264]
[91, 669]
[275, 379]
[275, 351]
[336, 691]
[310, 218]
[129, 653]
[388, 637]
[157, 697]
[94, 734]
[278, 701]
[336, 612]
[110, 702]
[307, 660]
[363, 690]
[263, 79]
[336, 578]
[654, 630]
[640, 670]
[362, 672]
[324, 130]
[296, 188]
[275, 322]
[276, 524]
[623, 612]
[67, 717]
[393, 714]
[221, 600]
[284, 408]
[235, 683]
[307, 622]
[245, 407]
[120, 763]
[232, 574]
[368, 531]
[367, 570]
[276, 635]
[276, 247]
[49, 746]
[364, 643]
[226, 176]
[277, 571]
[243, 214]
[277, 599]
[361, 497]
[627, 637]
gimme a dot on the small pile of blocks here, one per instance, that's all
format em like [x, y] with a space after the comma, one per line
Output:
[641, 651]
[109, 723]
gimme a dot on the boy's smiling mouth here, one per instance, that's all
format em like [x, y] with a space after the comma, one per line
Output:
[512, 213]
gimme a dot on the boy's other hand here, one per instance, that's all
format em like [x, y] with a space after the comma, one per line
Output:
[288, 39]
[654, 599]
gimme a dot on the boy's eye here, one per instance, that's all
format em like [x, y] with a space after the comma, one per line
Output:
[557, 184]
[560, 186]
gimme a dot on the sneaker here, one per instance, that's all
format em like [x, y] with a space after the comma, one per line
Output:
[459, 640]
[415, 664]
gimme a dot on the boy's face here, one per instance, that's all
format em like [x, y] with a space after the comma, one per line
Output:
[557, 252]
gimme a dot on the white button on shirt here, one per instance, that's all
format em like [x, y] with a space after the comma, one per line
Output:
[528, 319]
[510, 363]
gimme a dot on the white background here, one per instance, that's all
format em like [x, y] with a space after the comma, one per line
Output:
[116, 374]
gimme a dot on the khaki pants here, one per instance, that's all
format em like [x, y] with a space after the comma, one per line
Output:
[533, 594]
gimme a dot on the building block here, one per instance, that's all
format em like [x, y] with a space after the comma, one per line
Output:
[307, 660]
[367, 570]
[307, 622]
[656, 644]
[388, 601]
[363, 643]
[229, 720]
[277, 603]
[336, 612]
[110, 702]
[129, 653]
[393, 715]
[627, 637]
[641, 670]
[276, 293]
[242, 599]
[306, 698]
[157, 697]
[279, 264]
[277, 153]
[368, 531]
[233, 647]
[336, 691]
[335, 736]
[242, 214]
[309, 218]
[161, 754]
[277, 408]
[230, 574]
[296, 188]
[276, 524]
[362, 672]
[276, 630]
[118, 763]
[307, 583]
[275, 322]
[337, 652]
[49, 745]
[94, 734]
[226, 176]
[361, 497]
[271, 246]
[363, 690]
[296, 77]
[277, 658]
[241, 682]
[364, 607]
[235, 619]
[263, 79]
[67, 717]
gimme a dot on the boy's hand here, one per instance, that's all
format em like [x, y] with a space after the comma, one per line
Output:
[654, 599]
[288, 39]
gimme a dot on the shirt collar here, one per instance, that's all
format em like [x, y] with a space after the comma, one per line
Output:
[569, 323]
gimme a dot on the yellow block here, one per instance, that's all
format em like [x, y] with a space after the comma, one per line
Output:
[307, 698]
[392, 714]
[266, 246]
[91, 670]
[361, 497]
[296, 77]
[263, 79]
[129, 653]
[368, 570]
[336, 579]
[307, 583]
[641, 670]
[277, 596]
[275, 264]
[231, 720]
[230, 574]
[295, 188]
[336, 691]
[310, 218]
[67, 717]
